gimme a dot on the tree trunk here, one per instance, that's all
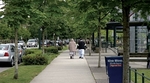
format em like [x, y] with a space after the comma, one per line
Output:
[90, 45]
[43, 41]
[16, 54]
[99, 32]
[126, 34]
[99, 59]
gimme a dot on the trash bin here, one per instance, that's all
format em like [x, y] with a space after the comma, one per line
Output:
[114, 68]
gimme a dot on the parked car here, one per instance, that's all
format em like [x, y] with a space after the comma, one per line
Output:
[32, 43]
[21, 42]
[21, 51]
[7, 52]
[46, 43]
[52, 43]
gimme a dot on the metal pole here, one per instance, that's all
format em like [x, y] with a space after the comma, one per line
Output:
[93, 39]
[136, 36]
[135, 76]
[39, 39]
[106, 40]
[129, 74]
[143, 78]
[136, 39]
[114, 36]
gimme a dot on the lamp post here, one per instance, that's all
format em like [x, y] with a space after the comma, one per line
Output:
[40, 38]
[148, 42]
[54, 39]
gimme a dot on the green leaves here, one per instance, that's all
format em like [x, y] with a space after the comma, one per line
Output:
[16, 12]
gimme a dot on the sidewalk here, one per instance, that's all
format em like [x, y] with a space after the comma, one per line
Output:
[65, 70]
[99, 73]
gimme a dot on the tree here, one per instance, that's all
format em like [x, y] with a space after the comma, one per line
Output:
[126, 6]
[23, 33]
[5, 32]
[16, 14]
[97, 14]
[114, 7]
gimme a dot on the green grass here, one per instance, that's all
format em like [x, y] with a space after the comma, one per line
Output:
[25, 72]
[139, 78]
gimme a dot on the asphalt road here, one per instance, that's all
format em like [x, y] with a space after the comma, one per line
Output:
[3, 67]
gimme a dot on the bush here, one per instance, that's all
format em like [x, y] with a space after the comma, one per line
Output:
[33, 51]
[51, 49]
[60, 47]
[28, 51]
[33, 59]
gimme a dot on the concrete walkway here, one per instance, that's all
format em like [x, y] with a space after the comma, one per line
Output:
[65, 70]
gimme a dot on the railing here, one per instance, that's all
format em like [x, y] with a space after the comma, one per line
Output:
[136, 74]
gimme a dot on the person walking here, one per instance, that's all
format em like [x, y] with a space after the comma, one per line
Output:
[72, 48]
[81, 46]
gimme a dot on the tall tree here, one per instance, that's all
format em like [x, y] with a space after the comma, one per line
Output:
[123, 17]
[126, 6]
[97, 14]
[16, 14]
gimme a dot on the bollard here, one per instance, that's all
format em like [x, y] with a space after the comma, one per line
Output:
[135, 76]
[143, 78]
[129, 74]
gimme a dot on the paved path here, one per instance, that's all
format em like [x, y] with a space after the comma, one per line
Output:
[65, 70]
[99, 73]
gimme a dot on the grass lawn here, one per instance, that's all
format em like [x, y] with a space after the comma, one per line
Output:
[139, 78]
[25, 72]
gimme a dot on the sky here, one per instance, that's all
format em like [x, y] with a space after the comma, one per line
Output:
[1, 5]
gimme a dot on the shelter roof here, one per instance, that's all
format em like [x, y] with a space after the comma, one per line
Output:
[111, 25]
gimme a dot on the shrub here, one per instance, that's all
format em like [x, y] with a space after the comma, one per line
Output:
[51, 49]
[33, 59]
[28, 51]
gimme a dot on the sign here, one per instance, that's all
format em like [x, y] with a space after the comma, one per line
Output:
[114, 68]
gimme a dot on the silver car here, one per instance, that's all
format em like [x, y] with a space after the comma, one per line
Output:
[32, 43]
[21, 51]
[21, 42]
[7, 53]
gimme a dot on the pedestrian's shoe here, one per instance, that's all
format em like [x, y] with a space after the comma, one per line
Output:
[79, 57]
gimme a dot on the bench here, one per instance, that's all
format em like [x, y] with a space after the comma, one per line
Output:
[138, 57]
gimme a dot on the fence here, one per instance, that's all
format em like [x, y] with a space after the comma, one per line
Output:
[137, 76]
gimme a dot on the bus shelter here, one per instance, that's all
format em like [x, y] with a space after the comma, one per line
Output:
[138, 35]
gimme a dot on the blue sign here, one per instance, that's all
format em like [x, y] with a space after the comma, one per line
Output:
[114, 68]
